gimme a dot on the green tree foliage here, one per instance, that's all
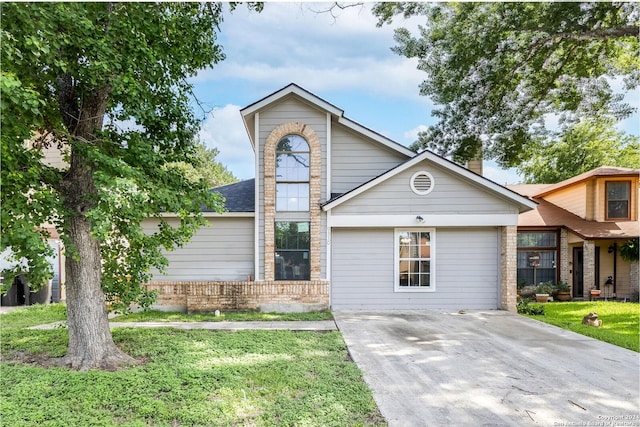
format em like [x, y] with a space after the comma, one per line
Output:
[206, 168]
[497, 69]
[107, 84]
[584, 146]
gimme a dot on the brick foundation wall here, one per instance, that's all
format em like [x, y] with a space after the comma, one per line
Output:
[211, 296]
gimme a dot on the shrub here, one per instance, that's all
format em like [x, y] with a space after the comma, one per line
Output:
[525, 308]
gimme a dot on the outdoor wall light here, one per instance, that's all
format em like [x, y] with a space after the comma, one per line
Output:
[419, 219]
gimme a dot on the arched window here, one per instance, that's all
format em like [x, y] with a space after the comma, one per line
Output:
[292, 174]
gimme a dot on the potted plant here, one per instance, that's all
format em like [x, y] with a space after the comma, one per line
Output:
[543, 291]
[563, 293]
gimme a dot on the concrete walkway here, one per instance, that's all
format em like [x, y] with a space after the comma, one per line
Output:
[492, 368]
[320, 325]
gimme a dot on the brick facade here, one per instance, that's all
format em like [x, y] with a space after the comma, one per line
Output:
[508, 268]
[589, 267]
[315, 192]
[565, 268]
[210, 296]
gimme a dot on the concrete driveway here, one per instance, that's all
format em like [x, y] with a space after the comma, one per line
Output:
[489, 368]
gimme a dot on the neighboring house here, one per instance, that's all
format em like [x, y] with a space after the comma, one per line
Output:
[340, 216]
[574, 233]
[53, 156]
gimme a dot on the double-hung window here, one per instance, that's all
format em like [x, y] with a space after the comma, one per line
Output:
[415, 250]
[618, 195]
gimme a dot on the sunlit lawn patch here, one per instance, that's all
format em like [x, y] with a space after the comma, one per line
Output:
[620, 321]
[192, 377]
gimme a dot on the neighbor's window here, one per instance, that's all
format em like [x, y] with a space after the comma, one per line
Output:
[618, 193]
[537, 255]
[292, 174]
[292, 250]
[415, 260]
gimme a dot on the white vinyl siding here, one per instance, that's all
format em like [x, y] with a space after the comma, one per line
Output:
[466, 270]
[223, 251]
[451, 195]
[355, 160]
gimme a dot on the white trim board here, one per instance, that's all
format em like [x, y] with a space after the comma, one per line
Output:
[437, 220]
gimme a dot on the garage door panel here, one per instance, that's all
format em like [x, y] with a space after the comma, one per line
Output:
[466, 270]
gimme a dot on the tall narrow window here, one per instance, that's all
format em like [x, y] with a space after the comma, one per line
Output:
[292, 174]
[415, 252]
[618, 193]
[292, 251]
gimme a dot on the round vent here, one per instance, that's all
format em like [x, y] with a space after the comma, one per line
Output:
[421, 183]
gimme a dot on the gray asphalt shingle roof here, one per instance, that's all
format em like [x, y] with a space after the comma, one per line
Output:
[240, 195]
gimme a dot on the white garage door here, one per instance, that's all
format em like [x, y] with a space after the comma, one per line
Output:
[467, 270]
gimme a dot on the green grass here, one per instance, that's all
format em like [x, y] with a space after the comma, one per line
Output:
[163, 316]
[186, 378]
[620, 321]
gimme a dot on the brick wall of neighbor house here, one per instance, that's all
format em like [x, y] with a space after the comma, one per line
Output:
[564, 256]
[211, 296]
[589, 267]
[508, 268]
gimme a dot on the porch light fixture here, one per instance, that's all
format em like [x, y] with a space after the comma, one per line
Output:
[419, 219]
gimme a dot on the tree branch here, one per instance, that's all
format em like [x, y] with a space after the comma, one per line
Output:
[603, 34]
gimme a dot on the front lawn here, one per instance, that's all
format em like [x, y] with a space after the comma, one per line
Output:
[620, 321]
[185, 378]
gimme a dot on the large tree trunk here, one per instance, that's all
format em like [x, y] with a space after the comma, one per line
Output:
[91, 345]
[90, 342]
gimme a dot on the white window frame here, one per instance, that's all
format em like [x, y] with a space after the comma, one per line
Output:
[432, 259]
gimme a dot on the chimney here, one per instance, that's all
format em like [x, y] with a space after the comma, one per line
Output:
[475, 165]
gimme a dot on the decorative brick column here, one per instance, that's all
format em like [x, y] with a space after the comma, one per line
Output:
[315, 169]
[564, 256]
[509, 268]
[589, 267]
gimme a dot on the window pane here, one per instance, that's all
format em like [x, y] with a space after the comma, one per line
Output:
[618, 199]
[414, 250]
[617, 190]
[292, 167]
[292, 143]
[292, 250]
[544, 271]
[617, 209]
[537, 239]
[292, 197]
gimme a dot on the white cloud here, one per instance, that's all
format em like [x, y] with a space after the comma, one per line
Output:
[412, 135]
[289, 42]
[225, 131]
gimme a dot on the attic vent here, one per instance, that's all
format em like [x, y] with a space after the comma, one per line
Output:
[421, 183]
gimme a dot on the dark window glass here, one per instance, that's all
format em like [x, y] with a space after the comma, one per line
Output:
[618, 200]
[292, 250]
[537, 252]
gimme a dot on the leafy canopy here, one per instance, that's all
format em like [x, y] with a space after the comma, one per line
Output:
[130, 63]
[497, 70]
[584, 146]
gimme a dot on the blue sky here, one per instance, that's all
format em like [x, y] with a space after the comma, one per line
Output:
[347, 61]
